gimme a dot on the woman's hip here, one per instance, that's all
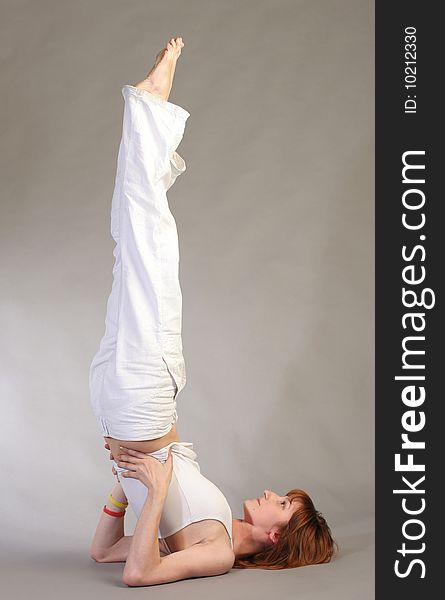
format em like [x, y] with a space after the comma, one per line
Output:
[134, 408]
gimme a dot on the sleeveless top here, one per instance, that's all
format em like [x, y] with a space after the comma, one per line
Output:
[191, 497]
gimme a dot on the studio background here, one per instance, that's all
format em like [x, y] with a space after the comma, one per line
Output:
[275, 217]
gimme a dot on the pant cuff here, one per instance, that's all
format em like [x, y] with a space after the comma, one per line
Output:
[176, 110]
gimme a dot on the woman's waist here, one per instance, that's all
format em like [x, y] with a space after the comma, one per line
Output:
[145, 446]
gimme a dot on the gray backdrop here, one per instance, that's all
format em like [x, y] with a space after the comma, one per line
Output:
[275, 219]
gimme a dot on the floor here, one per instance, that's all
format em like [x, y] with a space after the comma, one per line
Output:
[72, 574]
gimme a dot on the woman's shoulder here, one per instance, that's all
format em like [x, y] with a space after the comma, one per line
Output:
[207, 532]
[221, 549]
[217, 538]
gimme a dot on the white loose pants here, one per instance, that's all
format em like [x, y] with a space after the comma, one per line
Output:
[139, 368]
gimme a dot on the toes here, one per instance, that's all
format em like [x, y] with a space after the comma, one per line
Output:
[178, 44]
[175, 44]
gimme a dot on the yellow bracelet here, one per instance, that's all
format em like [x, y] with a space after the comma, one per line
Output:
[116, 503]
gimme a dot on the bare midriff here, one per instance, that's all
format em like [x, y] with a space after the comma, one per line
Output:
[143, 445]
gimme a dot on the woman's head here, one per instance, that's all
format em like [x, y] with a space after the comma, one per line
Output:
[298, 534]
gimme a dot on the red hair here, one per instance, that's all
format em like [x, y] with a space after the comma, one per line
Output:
[305, 540]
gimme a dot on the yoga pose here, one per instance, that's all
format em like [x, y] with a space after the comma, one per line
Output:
[185, 526]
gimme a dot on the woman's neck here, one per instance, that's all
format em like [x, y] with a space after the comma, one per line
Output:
[247, 539]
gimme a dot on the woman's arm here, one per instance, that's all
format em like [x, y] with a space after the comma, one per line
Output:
[109, 542]
[144, 565]
[200, 560]
[143, 555]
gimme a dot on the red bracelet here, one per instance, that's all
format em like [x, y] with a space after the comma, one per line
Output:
[112, 513]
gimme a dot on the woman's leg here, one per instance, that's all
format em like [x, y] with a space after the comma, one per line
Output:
[150, 300]
[129, 374]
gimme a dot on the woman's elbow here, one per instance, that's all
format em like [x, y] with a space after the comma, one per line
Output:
[132, 578]
[98, 555]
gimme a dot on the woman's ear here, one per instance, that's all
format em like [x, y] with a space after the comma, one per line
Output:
[274, 535]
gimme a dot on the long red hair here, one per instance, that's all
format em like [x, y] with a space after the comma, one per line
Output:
[305, 540]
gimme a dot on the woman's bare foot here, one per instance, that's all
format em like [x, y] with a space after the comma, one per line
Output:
[159, 80]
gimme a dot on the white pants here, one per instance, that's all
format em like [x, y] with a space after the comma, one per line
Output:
[139, 368]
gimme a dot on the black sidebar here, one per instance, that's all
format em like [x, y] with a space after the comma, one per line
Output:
[410, 424]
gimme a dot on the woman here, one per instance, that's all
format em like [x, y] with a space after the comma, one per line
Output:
[185, 526]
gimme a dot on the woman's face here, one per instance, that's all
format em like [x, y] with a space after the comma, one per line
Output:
[269, 511]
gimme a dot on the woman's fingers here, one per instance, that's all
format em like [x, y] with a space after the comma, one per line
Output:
[126, 465]
[130, 474]
[169, 463]
[132, 452]
[107, 447]
[129, 459]
[148, 469]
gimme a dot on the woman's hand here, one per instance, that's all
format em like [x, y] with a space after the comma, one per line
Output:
[113, 470]
[148, 469]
